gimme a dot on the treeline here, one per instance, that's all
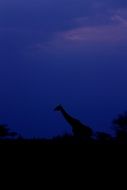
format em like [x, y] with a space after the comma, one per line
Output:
[119, 126]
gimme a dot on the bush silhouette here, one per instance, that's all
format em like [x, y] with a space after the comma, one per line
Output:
[103, 137]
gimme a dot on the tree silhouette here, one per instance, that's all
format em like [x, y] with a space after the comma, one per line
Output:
[5, 131]
[120, 124]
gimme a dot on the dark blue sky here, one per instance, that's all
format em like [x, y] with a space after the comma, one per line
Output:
[71, 52]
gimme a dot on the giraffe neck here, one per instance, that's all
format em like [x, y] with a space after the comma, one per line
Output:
[66, 116]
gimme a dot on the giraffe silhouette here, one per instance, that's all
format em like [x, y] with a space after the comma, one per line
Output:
[78, 129]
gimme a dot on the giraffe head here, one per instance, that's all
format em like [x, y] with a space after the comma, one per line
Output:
[58, 108]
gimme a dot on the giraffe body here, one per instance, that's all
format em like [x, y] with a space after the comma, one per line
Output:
[78, 129]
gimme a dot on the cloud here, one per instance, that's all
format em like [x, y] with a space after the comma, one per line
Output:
[51, 24]
[102, 30]
[119, 19]
[99, 34]
[114, 30]
[53, 15]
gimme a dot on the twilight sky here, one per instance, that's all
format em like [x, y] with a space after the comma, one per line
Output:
[71, 52]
